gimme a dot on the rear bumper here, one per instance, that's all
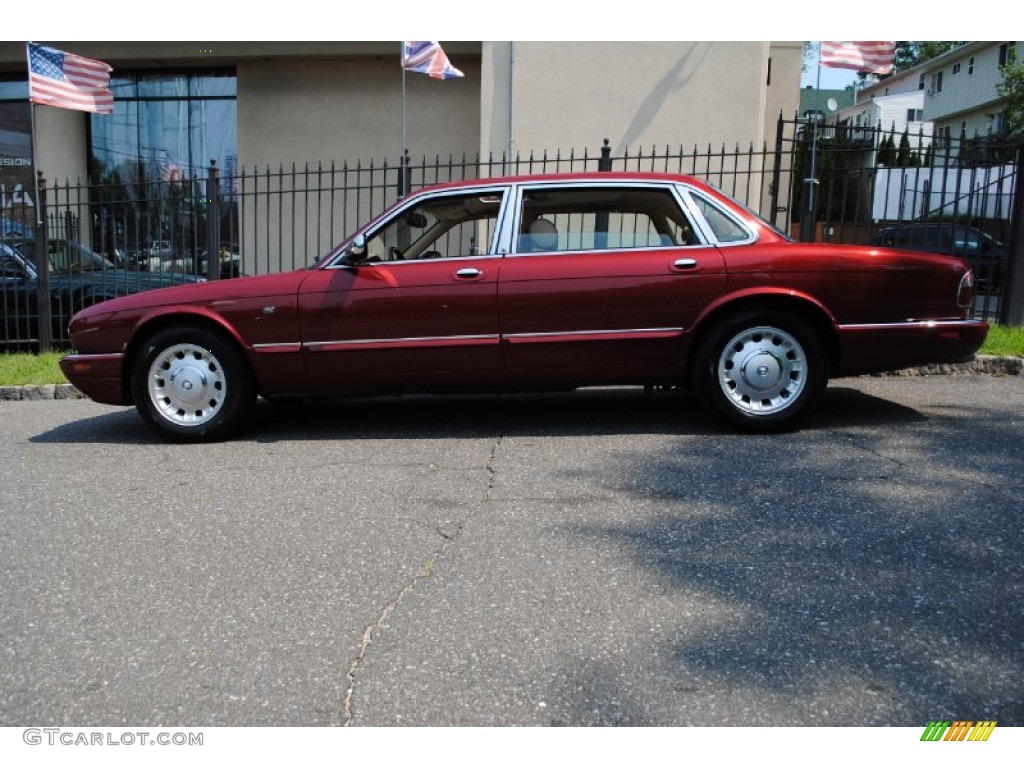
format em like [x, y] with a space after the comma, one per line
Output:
[890, 346]
[98, 376]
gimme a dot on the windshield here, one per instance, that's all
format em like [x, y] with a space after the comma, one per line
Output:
[74, 257]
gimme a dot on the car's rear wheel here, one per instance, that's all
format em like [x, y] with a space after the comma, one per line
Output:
[760, 370]
[191, 385]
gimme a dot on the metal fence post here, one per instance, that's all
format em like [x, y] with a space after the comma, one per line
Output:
[212, 223]
[809, 214]
[777, 172]
[44, 311]
[604, 163]
[1011, 310]
[404, 182]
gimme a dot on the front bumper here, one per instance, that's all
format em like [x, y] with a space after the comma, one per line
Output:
[99, 376]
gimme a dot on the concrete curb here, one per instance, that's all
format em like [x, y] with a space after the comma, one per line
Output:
[41, 392]
[983, 365]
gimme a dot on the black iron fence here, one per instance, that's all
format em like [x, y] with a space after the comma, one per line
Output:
[70, 245]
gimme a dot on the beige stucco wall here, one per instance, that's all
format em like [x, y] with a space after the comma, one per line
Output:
[349, 111]
[636, 94]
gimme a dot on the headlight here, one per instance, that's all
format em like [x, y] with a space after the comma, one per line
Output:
[965, 293]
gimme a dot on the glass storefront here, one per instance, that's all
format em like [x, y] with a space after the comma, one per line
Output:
[165, 128]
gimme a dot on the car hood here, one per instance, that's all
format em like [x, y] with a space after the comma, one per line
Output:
[207, 293]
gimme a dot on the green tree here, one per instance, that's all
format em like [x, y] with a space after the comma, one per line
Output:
[887, 151]
[906, 157]
[910, 53]
[1012, 89]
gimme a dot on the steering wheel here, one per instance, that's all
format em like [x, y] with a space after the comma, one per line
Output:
[430, 255]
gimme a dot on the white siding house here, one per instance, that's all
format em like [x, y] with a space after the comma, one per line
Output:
[961, 96]
[895, 104]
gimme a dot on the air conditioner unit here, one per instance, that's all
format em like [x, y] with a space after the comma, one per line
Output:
[930, 92]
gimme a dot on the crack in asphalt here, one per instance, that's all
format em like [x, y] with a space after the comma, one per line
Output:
[898, 466]
[448, 539]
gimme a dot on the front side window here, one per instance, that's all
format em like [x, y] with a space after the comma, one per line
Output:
[602, 218]
[441, 227]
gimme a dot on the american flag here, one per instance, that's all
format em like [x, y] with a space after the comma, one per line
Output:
[872, 57]
[61, 79]
[428, 57]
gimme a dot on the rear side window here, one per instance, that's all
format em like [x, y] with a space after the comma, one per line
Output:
[725, 227]
[603, 218]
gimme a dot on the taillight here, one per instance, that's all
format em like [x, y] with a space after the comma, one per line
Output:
[965, 293]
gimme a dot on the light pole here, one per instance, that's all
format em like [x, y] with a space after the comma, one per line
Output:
[809, 215]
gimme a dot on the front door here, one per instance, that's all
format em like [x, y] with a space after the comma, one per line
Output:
[421, 297]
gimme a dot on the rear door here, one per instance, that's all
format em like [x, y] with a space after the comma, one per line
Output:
[604, 277]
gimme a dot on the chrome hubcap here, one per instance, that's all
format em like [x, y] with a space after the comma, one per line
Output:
[186, 384]
[762, 370]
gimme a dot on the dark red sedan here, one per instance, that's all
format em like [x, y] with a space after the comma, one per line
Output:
[535, 282]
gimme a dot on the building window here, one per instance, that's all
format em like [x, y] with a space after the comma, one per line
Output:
[970, 66]
[936, 85]
[915, 115]
[956, 68]
[166, 127]
[16, 174]
[1007, 53]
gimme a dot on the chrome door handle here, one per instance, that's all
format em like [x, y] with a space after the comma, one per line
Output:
[468, 272]
[684, 263]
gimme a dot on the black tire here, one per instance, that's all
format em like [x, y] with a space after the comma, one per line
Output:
[191, 385]
[759, 370]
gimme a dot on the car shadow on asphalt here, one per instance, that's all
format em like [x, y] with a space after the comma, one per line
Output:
[585, 412]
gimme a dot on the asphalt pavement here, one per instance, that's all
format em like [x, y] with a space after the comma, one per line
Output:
[596, 558]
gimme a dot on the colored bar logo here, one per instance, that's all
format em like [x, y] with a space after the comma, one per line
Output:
[959, 730]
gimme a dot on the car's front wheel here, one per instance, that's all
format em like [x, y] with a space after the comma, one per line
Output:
[190, 385]
[760, 370]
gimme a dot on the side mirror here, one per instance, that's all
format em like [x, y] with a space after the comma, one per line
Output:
[356, 250]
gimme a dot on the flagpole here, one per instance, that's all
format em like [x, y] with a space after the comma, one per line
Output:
[42, 263]
[818, 86]
[401, 151]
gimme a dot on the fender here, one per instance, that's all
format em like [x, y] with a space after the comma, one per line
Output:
[760, 292]
[189, 311]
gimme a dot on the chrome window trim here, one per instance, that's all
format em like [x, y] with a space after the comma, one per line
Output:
[411, 262]
[669, 186]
